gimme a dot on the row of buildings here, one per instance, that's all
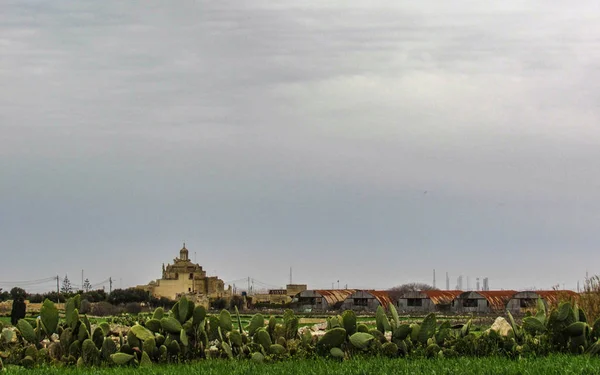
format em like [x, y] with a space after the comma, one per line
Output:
[186, 278]
[449, 301]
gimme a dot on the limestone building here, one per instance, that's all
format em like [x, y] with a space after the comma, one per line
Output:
[186, 278]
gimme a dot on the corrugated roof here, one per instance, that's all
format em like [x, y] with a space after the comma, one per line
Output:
[334, 297]
[382, 296]
[497, 299]
[553, 296]
[442, 297]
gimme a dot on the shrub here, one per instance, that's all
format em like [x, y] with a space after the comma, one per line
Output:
[86, 307]
[133, 308]
[17, 293]
[36, 298]
[94, 295]
[218, 304]
[589, 299]
[236, 301]
[163, 302]
[4, 295]
[102, 309]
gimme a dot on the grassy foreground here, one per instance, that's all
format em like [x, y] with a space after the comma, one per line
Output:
[554, 364]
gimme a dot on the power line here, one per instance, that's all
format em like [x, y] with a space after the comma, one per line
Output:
[28, 282]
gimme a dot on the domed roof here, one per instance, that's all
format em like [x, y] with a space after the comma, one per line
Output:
[183, 253]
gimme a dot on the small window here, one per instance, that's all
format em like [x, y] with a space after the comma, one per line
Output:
[361, 302]
[470, 302]
[191, 276]
[189, 289]
[414, 302]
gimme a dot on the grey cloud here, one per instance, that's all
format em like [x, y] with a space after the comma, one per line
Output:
[304, 133]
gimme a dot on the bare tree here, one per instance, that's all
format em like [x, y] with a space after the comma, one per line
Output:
[397, 291]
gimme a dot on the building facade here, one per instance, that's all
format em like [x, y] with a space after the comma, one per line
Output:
[428, 301]
[483, 302]
[367, 300]
[186, 278]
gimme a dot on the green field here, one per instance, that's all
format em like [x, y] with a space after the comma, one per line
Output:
[554, 364]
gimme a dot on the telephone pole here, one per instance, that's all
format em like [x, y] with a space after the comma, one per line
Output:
[57, 290]
[110, 285]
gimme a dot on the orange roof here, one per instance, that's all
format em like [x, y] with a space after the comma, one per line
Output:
[334, 296]
[382, 296]
[497, 299]
[442, 297]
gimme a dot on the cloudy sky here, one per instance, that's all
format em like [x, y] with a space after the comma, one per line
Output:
[368, 142]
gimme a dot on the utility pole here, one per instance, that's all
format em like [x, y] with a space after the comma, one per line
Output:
[434, 277]
[110, 285]
[248, 291]
[57, 290]
[290, 275]
[81, 279]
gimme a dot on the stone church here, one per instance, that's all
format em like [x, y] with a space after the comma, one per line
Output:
[186, 278]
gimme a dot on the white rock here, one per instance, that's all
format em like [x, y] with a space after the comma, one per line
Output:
[501, 326]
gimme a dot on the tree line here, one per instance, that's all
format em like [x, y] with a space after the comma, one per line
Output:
[116, 297]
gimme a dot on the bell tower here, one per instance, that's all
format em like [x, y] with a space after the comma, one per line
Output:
[184, 253]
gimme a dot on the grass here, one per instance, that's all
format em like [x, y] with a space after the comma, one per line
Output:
[555, 364]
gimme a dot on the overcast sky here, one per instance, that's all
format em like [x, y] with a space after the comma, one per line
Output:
[368, 142]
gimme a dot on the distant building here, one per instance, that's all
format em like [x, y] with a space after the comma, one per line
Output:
[279, 296]
[459, 283]
[428, 300]
[367, 300]
[186, 278]
[527, 300]
[322, 299]
[483, 301]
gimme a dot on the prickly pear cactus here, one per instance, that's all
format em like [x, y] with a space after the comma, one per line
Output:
[427, 329]
[361, 340]
[158, 313]
[349, 322]
[199, 315]
[121, 359]
[264, 339]
[225, 321]
[257, 321]
[49, 315]
[170, 325]
[290, 324]
[333, 338]
[383, 323]
[108, 348]
[89, 353]
[26, 331]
